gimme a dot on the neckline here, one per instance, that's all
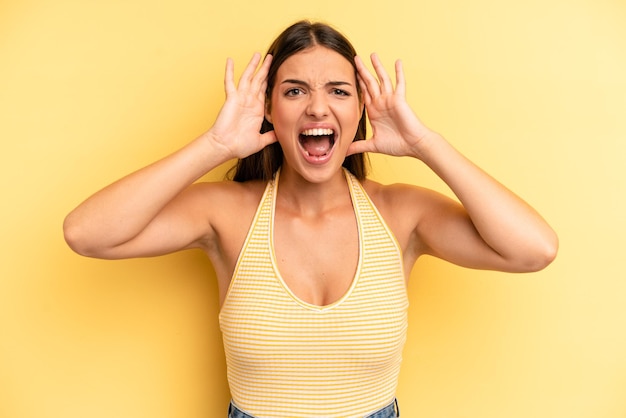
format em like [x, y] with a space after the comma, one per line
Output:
[279, 277]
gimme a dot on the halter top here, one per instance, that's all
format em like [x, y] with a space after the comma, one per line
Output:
[288, 358]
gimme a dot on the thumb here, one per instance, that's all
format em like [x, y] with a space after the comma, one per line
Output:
[268, 138]
[361, 146]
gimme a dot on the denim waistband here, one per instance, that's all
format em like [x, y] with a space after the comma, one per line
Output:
[390, 411]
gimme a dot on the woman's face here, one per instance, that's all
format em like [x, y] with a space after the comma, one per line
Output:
[315, 110]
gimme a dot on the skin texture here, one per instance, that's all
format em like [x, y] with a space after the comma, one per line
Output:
[159, 209]
[322, 95]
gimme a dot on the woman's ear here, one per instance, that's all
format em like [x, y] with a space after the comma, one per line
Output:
[268, 112]
[362, 100]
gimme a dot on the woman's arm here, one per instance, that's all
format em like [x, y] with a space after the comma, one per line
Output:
[492, 228]
[154, 210]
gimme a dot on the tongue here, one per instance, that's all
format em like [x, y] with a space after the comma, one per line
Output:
[316, 145]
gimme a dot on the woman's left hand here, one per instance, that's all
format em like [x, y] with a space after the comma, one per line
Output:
[396, 129]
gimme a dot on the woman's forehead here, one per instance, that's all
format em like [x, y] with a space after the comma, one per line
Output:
[316, 63]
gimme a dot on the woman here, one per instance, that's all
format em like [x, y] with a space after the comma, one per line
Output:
[311, 257]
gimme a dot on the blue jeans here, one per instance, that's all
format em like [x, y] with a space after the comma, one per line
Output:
[390, 411]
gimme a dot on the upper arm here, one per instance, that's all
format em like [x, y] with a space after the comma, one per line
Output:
[446, 231]
[184, 223]
[427, 222]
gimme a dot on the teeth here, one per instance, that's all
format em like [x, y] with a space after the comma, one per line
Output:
[318, 132]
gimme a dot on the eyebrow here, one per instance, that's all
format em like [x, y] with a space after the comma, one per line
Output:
[305, 84]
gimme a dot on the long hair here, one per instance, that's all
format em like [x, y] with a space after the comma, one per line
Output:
[298, 37]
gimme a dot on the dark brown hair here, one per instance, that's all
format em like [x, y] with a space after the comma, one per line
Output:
[298, 37]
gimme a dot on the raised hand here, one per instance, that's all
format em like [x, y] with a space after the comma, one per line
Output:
[239, 121]
[396, 129]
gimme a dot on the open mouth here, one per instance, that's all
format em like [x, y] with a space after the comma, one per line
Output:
[317, 143]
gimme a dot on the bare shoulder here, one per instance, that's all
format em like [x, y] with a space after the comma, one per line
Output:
[228, 191]
[398, 198]
[404, 207]
[229, 208]
[399, 205]
[225, 201]
[225, 210]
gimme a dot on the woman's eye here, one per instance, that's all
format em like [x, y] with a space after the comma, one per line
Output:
[293, 92]
[340, 92]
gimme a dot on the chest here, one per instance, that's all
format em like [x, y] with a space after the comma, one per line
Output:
[285, 347]
[317, 257]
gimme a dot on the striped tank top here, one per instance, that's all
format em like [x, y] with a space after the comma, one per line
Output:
[289, 358]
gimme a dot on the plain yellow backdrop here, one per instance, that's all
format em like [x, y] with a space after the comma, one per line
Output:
[533, 91]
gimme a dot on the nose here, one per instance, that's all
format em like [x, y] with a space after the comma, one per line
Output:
[318, 105]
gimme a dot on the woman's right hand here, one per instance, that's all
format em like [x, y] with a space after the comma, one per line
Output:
[153, 210]
[239, 121]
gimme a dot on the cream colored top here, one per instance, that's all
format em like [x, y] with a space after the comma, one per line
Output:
[289, 358]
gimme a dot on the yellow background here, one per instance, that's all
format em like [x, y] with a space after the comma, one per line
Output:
[533, 91]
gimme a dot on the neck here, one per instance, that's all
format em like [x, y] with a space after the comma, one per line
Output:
[299, 195]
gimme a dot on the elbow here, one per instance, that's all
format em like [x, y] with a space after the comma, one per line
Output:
[77, 238]
[88, 239]
[543, 259]
[542, 255]
[72, 235]
[550, 249]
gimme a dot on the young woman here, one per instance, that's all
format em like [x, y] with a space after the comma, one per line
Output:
[311, 257]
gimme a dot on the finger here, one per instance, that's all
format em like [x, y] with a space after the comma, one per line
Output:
[268, 138]
[267, 62]
[383, 77]
[359, 147]
[400, 80]
[367, 99]
[246, 76]
[370, 82]
[229, 78]
[259, 82]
